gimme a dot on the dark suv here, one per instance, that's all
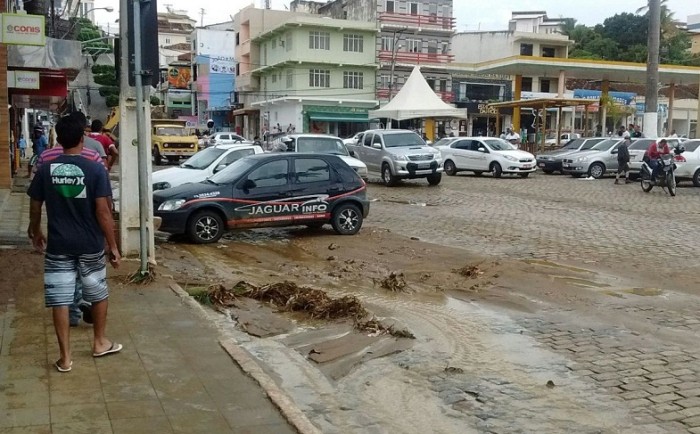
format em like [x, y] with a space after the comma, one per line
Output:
[266, 190]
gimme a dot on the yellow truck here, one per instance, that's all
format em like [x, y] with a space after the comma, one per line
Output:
[172, 139]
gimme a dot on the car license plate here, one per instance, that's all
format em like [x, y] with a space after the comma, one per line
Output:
[527, 167]
[423, 166]
[542, 164]
[567, 165]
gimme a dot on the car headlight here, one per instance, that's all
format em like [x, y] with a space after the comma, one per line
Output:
[361, 170]
[191, 146]
[165, 145]
[399, 158]
[171, 205]
[582, 159]
[510, 158]
[161, 186]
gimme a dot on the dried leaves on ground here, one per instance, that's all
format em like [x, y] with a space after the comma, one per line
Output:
[470, 271]
[395, 282]
[315, 303]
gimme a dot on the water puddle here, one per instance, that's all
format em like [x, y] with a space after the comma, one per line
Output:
[584, 283]
[546, 263]
[645, 292]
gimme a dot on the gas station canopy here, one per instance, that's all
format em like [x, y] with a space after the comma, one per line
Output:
[544, 102]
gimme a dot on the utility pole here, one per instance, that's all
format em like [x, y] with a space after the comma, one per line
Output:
[394, 47]
[202, 12]
[651, 114]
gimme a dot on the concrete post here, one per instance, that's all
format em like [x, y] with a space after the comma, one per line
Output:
[129, 217]
[605, 88]
[517, 95]
[5, 169]
[561, 88]
[671, 100]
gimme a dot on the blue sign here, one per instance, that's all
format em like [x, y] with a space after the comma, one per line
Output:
[625, 98]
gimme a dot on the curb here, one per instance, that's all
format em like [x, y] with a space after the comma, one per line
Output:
[291, 412]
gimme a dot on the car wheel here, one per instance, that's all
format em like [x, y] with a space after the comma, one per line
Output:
[205, 227]
[315, 225]
[523, 175]
[450, 168]
[388, 178]
[597, 170]
[434, 179]
[497, 170]
[157, 158]
[696, 178]
[347, 219]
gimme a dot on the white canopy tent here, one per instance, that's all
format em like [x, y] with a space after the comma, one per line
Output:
[417, 100]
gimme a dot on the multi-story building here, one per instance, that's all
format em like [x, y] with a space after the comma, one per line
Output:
[315, 74]
[410, 33]
[174, 33]
[694, 31]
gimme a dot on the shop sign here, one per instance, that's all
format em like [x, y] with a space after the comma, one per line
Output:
[23, 80]
[484, 109]
[23, 29]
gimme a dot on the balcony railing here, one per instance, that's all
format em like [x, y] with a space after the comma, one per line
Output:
[422, 21]
[383, 94]
[415, 58]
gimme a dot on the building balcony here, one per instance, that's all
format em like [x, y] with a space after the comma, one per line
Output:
[415, 58]
[431, 22]
[383, 94]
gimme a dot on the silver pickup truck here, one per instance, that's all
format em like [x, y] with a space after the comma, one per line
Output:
[398, 154]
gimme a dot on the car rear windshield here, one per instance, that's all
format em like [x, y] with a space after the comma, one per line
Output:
[445, 141]
[691, 146]
[641, 144]
[321, 145]
[574, 144]
[233, 171]
[605, 145]
[402, 139]
[499, 145]
[203, 159]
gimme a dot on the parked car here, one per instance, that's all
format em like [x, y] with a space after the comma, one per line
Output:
[594, 162]
[485, 154]
[266, 190]
[550, 162]
[563, 139]
[225, 139]
[354, 139]
[324, 144]
[640, 146]
[688, 164]
[397, 155]
[202, 165]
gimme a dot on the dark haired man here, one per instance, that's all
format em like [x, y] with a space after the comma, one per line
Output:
[107, 143]
[76, 192]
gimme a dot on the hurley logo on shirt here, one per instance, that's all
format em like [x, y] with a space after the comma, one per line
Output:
[68, 180]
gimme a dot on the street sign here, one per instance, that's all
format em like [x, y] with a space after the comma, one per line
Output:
[23, 29]
[149, 42]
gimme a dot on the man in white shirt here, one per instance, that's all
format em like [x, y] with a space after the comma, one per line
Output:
[512, 137]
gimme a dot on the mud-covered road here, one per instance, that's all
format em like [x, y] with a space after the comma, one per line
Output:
[539, 305]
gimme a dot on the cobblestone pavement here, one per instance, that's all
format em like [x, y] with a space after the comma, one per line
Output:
[638, 348]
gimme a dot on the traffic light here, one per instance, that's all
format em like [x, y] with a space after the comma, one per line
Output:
[210, 124]
[149, 41]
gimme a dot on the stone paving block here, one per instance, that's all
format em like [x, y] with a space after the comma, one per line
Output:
[688, 385]
[605, 376]
[691, 411]
[633, 373]
[655, 368]
[665, 381]
[634, 386]
[692, 422]
[610, 383]
[639, 403]
[668, 417]
[636, 394]
[628, 359]
[681, 372]
[141, 425]
[689, 402]
[659, 390]
[658, 375]
[666, 407]
[694, 430]
[637, 379]
[689, 393]
[666, 397]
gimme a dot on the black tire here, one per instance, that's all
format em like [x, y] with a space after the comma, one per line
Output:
[497, 170]
[478, 173]
[696, 178]
[388, 178]
[157, 158]
[645, 182]
[315, 225]
[523, 175]
[450, 168]
[173, 159]
[205, 227]
[597, 170]
[576, 175]
[548, 172]
[671, 183]
[347, 219]
[434, 179]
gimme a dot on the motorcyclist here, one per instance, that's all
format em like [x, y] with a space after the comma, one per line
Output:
[654, 154]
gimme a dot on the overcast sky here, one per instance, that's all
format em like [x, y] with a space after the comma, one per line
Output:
[470, 14]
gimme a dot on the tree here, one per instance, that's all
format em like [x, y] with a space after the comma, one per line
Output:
[106, 77]
[626, 29]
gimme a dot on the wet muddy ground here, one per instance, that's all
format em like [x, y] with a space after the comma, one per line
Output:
[514, 331]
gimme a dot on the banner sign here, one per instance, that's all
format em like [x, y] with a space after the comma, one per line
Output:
[624, 98]
[23, 79]
[179, 77]
[23, 29]
[222, 65]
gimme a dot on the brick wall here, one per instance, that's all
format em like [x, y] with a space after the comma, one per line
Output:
[5, 169]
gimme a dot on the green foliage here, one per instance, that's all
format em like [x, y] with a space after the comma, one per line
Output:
[155, 101]
[112, 101]
[105, 75]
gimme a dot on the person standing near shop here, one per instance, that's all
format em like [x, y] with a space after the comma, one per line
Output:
[39, 144]
[623, 159]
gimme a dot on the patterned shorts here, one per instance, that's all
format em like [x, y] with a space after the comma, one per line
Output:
[62, 272]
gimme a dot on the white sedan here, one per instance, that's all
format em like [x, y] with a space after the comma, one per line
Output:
[485, 154]
[689, 162]
[202, 165]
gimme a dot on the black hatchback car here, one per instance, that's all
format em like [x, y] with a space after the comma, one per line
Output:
[266, 190]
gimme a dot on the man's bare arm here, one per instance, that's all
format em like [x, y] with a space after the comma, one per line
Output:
[34, 217]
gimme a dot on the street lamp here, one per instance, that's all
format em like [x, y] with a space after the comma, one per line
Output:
[394, 47]
[82, 16]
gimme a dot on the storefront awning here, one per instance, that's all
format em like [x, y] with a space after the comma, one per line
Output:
[338, 117]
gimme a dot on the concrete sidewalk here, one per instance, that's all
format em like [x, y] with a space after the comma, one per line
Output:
[172, 376]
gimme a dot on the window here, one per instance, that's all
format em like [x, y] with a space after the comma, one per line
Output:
[272, 174]
[544, 85]
[387, 43]
[549, 52]
[526, 49]
[390, 6]
[308, 170]
[367, 141]
[167, 40]
[274, 77]
[461, 144]
[443, 85]
[353, 80]
[353, 43]
[319, 40]
[290, 78]
[238, 38]
[431, 83]
[288, 42]
[188, 39]
[413, 8]
[526, 84]
[384, 81]
[274, 43]
[413, 45]
[319, 78]
[432, 47]
[236, 155]
[475, 145]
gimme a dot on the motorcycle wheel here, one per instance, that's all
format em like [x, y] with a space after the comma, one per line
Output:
[646, 183]
[671, 183]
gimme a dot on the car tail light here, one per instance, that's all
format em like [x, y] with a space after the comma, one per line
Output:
[679, 158]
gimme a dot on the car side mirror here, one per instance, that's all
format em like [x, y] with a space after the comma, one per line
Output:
[351, 152]
[615, 151]
[482, 150]
[219, 168]
[377, 145]
[248, 184]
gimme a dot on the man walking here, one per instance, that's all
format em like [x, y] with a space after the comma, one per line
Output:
[107, 143]
[76, 192]
[623, 159]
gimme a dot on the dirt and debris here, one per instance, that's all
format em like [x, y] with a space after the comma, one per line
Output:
[454, 370]
[333, 246]
[394, 282]
[470, 271]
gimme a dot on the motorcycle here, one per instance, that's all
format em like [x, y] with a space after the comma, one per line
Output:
[666, 178]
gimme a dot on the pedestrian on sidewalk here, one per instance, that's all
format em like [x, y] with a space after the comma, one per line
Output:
[39, 144]
[623, 159]
[107, 143]
[76, 192]
[22, 143]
